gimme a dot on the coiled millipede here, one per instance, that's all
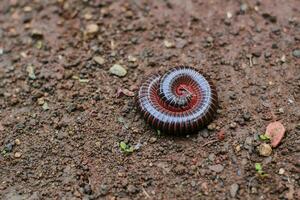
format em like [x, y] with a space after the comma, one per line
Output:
[180, 101]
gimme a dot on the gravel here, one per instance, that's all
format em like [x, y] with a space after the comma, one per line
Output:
[296, 53]
[92, 29]
[98, 59]
[216, 168]
[118, 70]
[265, 149]
[234, 190]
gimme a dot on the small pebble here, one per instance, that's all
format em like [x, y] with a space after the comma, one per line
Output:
[118, 70]
[98, 144]
[88, 16]
[87, 189]
[132, 58]
[221, 135]
[247, 116]
[281, 171]
[204, 133]
[216, 168]
[265, 149]
[212, 157]
[17, 142]
[211, 126]
[45, 106]
[283, 59]
[296, 53]
[27, 9]
[243, 8]
[229, 15]
[98, 59]
[9, 147]
[281, 110]
[92, 29]
[210, 39]
[41, 101]
[132, 189]
[248, 143]
[268, 54]
[193, 183]
[275, 131]
[238, 148]
[234, 189]
[233, 125]
[153, 140]
[168, 44]
[18, 155]
[30, 70]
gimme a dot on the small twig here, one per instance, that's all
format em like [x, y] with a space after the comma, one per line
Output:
[209, 142]
[146, 193]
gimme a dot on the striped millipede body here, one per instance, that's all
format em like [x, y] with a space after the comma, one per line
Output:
[180, 101]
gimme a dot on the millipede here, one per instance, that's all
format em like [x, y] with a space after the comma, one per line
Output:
[181, 101]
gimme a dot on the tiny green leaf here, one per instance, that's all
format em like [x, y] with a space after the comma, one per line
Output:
[258, 167]
[129, 150]
[123, 146]
[3, 152]
[264, 137]
[126, 148]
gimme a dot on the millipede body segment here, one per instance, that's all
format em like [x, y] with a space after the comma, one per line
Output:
[180, 101]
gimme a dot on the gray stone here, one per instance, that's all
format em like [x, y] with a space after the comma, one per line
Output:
[243, 8]
[204, 133]
[211, 126]
[212, 157]
[193, 183]
[296, 53]
[9, 147]
[118, 70]
[248, 143]
[153, 140]
[131, 189]
[98, 59]
[216, 168]
[234, 189]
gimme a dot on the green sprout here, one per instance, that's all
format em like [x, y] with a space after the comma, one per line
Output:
[259, 170]
[264, 137]
[3, 152]
[126, 148]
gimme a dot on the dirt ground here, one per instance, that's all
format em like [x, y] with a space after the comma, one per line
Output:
[63, 113]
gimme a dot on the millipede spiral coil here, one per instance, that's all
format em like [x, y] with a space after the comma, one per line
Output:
[180, 101]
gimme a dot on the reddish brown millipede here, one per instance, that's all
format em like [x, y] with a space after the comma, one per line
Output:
[180, 101]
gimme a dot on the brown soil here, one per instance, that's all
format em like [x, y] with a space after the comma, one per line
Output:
[61, 121]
